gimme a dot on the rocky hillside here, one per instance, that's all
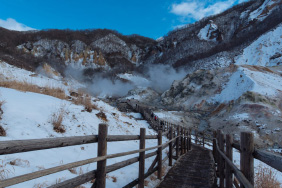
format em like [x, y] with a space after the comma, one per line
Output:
[96, 49]
[217, 40]
[209, 43]
[245, 95]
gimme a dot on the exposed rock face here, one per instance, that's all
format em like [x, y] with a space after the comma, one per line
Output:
[82, 55]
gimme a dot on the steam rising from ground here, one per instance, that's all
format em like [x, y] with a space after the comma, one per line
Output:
[158, 77]
[162, 76]
[103, 87]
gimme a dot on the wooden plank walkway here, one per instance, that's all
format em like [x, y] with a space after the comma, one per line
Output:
[195, 169]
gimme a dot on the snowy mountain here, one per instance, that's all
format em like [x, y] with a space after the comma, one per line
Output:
[217, 40]
[215, 69]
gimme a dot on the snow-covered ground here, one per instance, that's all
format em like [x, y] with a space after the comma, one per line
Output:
[173, 117]
[265, 51]
[248, 78]
[28, 116]
[264, 10]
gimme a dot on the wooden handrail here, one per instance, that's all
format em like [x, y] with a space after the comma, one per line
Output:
[91, 175]
[271, 159]
[19, 146]
[240, 176]
[248, 153]
[37, 174]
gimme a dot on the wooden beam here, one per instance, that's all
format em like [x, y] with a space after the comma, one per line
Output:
[18, 146]
[221, 160]
[102, 151]
[170, 146]
[229, 154]
[142, 158]
[160, 155]
[177, 141]
[246, 157]
[271, 159]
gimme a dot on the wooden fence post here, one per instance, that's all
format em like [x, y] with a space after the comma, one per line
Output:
[160, 155]
[170, 146]
[102, 151]
[185, 141]
[190, 140]
[203, 139]
[246, 157]
[182, 141]
[214, 147]
[142, 158]
[196, 137]
[177, 142]
[221, 160]
[229, 154]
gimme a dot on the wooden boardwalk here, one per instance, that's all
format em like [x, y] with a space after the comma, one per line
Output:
[195, 169]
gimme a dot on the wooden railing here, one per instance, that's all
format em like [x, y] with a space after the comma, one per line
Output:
[180, 142]
[179, 139]
[223, 154]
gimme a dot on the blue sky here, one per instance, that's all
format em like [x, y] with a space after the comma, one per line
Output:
[150, 18]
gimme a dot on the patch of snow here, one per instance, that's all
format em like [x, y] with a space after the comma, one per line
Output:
[160, 39]
[248, 78]
[244, 14]
[241, 116]
[238, 84]
[263, 11]
[134, 115]
[205, 33]
[265, 51]
[169, 116]
[265, 83]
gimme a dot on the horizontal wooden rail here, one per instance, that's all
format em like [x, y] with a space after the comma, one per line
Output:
[240, 176]
[37, 174]
[236, 146]
[91, 175]
[19, 146]
[271, 159]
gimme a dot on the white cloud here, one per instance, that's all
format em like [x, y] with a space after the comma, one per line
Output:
[12, 24]
[198, 10]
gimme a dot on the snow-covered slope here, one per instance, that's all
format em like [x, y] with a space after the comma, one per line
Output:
[264, 10]
[265, 51]
[250, 78]
[29, 115]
